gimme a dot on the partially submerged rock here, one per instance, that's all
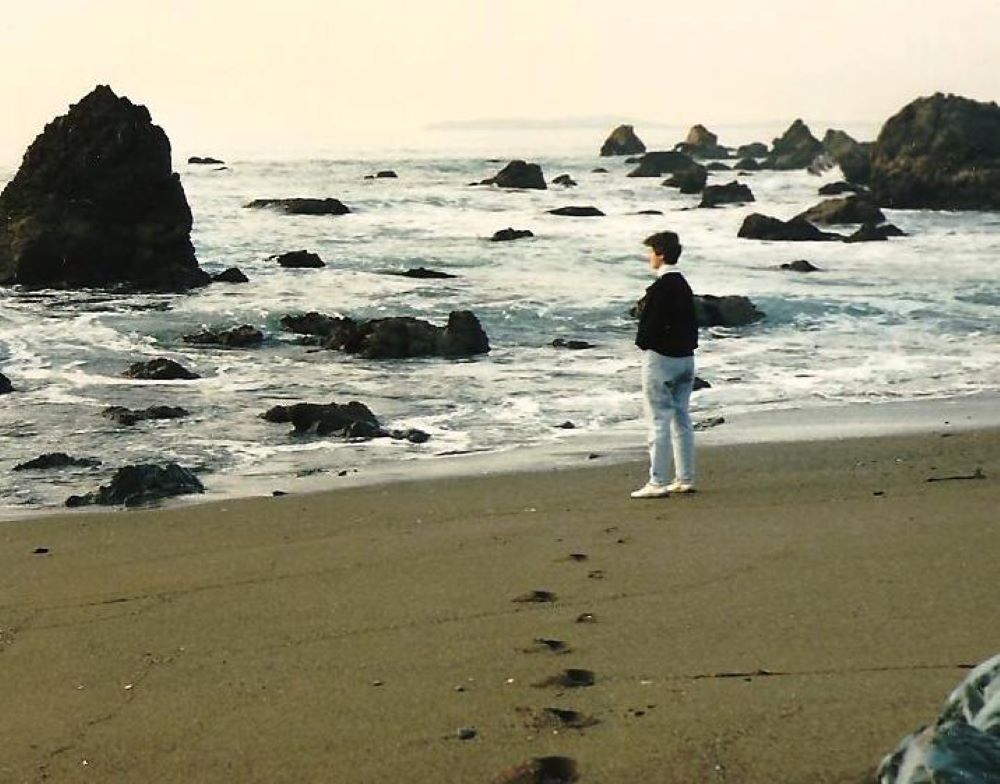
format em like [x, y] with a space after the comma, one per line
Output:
[730, 193]
[243, 336]
[509, 234]
[747, 164]
[352, 421]
[688, 181]
[231, 275]
[622, 141]
[519, 174]
[51, 460]
[577, 212]
[422, 273]
[702, 143]
[732, 310]
[794, 149]
[870, 232]
[752, 150]
[764, 227]
[942, 153]
[840, 187]
[657, 164]
[130, 416]
[800, 265]
[141, 484]
[298, 259]
[301, 206]
[204, 160]
[96, 203]
[565, 180]
[849, 209]
[159, 369]
[5, 386]
[963, 744]
[573, 345]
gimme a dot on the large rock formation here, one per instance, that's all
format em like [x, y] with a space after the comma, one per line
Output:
[798, 229]
[656, 164]
[518, 174]
[141, 484]
[795, 149]
[702, 143]
[941, 152]
[96, 203]
[849, 209]
[623, 141]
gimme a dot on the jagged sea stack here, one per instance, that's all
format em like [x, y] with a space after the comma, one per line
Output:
[96, 203]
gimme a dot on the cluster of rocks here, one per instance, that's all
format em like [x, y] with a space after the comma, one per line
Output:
[852, 209]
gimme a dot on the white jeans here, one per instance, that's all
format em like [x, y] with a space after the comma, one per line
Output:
[666, 387]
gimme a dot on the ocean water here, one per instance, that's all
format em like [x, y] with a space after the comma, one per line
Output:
[908, 319]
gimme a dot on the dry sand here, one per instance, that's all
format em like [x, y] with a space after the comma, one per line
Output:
[347, 636]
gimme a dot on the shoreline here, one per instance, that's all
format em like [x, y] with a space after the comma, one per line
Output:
[791, 621]
[625, 445]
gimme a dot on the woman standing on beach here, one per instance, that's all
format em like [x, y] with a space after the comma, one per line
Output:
[668, 336]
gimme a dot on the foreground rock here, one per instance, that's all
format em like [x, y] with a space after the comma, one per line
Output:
[728, 311]
[395, 337]
[509, 234]
[730, 193]
[141, 484]
[231, 275]
[623, 141]
[353, 420]
[96, 203]
[301, 206]
[577, 212]
[849, 209]
[130, 416]
[657, 164]
[243, 336]
[5, 386]
[160, 369]
[702, 143]
[53, 460]
[764, 227]
[795, 149]
[942, 153]
[519, 174]
[298, 259]
[962, 745]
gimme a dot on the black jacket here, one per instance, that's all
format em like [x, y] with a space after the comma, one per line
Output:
[667, 322]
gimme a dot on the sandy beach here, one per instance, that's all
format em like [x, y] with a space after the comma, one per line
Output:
[812, 604]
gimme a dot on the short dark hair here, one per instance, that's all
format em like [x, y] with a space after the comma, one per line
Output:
[666, 244]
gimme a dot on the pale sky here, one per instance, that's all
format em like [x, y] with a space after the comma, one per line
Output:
[314, 74]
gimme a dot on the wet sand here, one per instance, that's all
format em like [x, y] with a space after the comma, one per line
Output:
[813, 603]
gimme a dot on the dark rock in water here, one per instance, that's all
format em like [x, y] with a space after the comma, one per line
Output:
[231, 275]
[853, 157]
[764, 227]
[313, 323]
[518, 174]
[942, 153]
[717, 166]
[55, 460]
[577, 212]
[752, 150]
[206, 160]
[702, 143]
[649, 212]
[729, 311]
[298, 259]
[841, 187]
[159, 369]
[634, 159]
[800, 265]
[508, 234]
[96, 203]
[689, 181]
[423, 273]
[656, 164]
[795, 149]
[747, 164]
[5, 386]
[243, 336]
[962, 745]
[598, 170]
[574, 345]
[700, 383]
[564, 180]
[567, 425]
[412, 435]
[730, 193]
[141, 484]
[129, 416]
[849, 209]
[302, 206]
[386, 174]
[353, 420]
[622, 141]
[870, 232]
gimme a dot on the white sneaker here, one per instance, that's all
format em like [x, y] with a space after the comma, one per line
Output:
[680, 487]
[651, 490]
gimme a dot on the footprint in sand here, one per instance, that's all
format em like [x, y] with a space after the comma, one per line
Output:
[555, 719]
[569, 679]
[535, 597]
[548, 644]
[542, 770]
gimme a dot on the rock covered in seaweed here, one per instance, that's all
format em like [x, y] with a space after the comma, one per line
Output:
[96, 203]
[941, 152]
[136, 485]
[623, 141]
